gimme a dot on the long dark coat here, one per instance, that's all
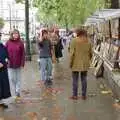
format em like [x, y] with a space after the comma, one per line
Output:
[58, 49]
[4, 81]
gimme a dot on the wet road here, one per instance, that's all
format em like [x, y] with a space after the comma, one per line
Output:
[39, 103]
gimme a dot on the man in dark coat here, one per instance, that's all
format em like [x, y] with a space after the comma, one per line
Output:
[4, 81]
[58, 47]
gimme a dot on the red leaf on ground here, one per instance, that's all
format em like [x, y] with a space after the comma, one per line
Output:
[32, 115]
[26, 92]
[72, 117]
[116, 105]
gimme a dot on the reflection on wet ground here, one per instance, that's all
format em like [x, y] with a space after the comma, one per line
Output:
[53, 103]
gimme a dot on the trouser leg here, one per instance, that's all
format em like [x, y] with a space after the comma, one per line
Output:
[84, 82]
[75, 76]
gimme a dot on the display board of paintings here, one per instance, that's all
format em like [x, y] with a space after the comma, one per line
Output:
[98, 48]
[114, 26]
[94, 61]
[104, 28]
[106, 50]
[105, 43]
[119, 58]
[98, 69]
[102, 48]
[113, 54]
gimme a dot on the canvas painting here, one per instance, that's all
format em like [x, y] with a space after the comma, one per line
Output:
[106, 50]
[98, 68]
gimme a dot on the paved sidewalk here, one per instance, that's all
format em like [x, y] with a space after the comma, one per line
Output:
[39, 103]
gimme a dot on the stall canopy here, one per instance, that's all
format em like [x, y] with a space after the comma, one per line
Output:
[102, 16]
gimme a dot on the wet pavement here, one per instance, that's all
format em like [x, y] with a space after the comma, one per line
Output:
[53, 103]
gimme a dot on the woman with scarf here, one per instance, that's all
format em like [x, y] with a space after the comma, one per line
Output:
[16, 52]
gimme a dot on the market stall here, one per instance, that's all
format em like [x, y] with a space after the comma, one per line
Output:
[104, 29]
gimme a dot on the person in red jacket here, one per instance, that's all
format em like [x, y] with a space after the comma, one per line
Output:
[16, 53]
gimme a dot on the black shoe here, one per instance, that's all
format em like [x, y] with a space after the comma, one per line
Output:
[45, 83]
[4, 106]
[18, 95]
[49, 82]
[58, 61]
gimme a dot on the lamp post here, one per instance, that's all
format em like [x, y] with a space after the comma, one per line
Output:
[1, 6]
[10, 16]
[28, 52]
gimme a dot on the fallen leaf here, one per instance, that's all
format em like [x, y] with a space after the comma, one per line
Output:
[44, 118]
[32, 115]
[1, 108]
[117, 100]
[40, 82]
[41, 98]
[26, 92]
[18, 100]
[106, 92]
[1, 118]
[102, 86]
[54, 98]
[71, 117]
[116, 105]
[55, 90]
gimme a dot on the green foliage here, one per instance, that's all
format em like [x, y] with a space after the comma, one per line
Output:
[72, 12]
[1, 23]
[108, 3]
[19, 1]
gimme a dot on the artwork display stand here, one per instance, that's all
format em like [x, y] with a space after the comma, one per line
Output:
[106, 49]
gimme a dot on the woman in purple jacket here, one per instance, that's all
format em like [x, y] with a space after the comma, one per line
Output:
[16, 52]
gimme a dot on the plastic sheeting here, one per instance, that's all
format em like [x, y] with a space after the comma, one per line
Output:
[102, 16]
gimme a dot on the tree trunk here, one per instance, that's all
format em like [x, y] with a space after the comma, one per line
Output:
[28, 52]
[66, 24]
[114, 4]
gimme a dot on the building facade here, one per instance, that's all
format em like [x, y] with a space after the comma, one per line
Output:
[13, 15]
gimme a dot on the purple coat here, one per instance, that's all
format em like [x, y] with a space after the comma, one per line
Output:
[16, 53]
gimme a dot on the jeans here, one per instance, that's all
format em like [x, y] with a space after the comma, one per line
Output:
[45, 68]
[75, 76]
[15, 80]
